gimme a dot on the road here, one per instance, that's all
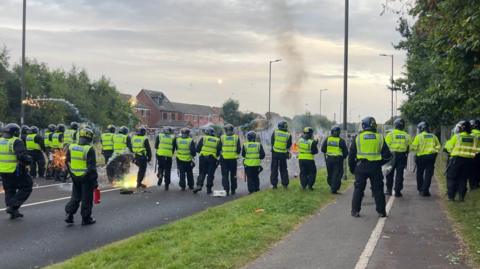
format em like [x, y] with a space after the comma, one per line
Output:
[42, 238]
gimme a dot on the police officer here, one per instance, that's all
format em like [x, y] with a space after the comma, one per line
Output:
[281, 143]
[462, 148]
[48, 148]
[307, 148]
[209, 148]
[185, 147]
[474, 178]
[165, 145]
[253, 154]
[35, 148]
[365, 160]
[107, 142]
[335, 150]
[70, 135]
[25, 130]
[143, 154]
[426, 146]
[83, 168]
[57, 138]
[122, 142]
[17, 183]
[228, 159]
[398, 142]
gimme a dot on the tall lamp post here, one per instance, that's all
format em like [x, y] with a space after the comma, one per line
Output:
[270, 88]
[22, 96]
[324, 90]
[391, 56]
[345, 77]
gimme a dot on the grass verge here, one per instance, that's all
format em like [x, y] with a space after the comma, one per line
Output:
[466, 216]
[226, 236]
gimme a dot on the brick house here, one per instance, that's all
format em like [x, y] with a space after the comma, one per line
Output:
[155, 110]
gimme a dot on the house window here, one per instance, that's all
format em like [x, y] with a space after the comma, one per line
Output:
[195, 117]
[164, 116]
[180, 116]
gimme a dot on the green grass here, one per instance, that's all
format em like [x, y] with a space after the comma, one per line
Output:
[466, 216]
[226, 236]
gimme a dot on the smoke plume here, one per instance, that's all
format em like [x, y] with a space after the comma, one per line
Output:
[288, 50]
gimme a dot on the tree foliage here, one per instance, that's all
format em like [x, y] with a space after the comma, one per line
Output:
[98, 101]
[443, 66]
[231, 114]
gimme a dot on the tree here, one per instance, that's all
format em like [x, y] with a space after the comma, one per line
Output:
[230, 112]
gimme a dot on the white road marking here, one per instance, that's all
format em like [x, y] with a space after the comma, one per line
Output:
[56, 200]
[43, 186]
[367, 253]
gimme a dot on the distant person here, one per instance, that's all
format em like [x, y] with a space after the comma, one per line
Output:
[83, 168]
[209, 148]
[107, 142]
[462, 149]
[35, 148]
[281, 143]
[185, 148]
[474, 178]
[307, 148]
[165, 145]
[71, 134]
[426, 146]
[143, 154]
[398, 142]
[253, 154]
[335, 150]
[47, 141]
[14, 159]
[367, 155]
[24, 131]
[228, 159]
[122, 142]
[58, 146]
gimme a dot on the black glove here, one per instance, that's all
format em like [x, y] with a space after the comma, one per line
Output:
[192, 163]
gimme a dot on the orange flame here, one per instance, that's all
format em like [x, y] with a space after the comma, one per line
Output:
[59, 158]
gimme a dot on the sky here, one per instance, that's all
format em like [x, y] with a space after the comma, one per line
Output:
[206, 51]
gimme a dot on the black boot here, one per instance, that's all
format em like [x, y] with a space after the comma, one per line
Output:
[160, 179]
[14, 213]
[209, 190]
[197, 189]
[355, 214]
[88, 221]
[166, 187]
[69, 219]
[233, 192]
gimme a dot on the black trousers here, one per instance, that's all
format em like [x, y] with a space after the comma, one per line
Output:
[141, 162]
[400, 162]
[107, 154]
[82, 192]
[334, 172]
[164, 169]
[38, 162]
[425, 169]
[279, 162]
[207, 167]
[185, 170]
[373, 171]
[308, 173]
[474, 178]
[229, 174]
[253, 179]
[458, 171]
[18, 187]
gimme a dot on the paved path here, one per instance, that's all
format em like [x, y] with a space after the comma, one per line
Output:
[416, 234]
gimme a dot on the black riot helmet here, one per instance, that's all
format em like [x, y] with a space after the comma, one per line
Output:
[229, 129]
[141, 131]
[307, 132]
[167, 130]
[210, 131]
[475, 124]
[86, 136]
[61, 128]
[11, 129]
[111, 128]
[34, 130]
[464, 126]
[74, 125]
[399, 124]
[24, 129]
[423, 127]
[123, 130]
[185, 132]
[335, 131]
[283, 125]
[251, 136]
[369, 124]
[52, 127]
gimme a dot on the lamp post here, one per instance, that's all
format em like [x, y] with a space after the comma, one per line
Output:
[392, 89]
[345, 78]
[270, 88]
[22, 87]
[324, 90]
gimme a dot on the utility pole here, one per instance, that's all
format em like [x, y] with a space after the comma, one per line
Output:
[345, 80]
[22, 95]
[392, 82]
[270, 88]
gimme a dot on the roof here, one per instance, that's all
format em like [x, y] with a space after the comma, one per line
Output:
[167, 123]
[159, 99]
[193, 109]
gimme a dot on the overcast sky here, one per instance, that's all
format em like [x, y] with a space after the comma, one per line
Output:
[205, 51]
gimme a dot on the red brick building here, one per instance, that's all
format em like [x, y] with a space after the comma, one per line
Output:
[155, 110]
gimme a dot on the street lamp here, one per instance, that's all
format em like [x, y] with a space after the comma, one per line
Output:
[22, 88]
[324, 90]
[270, 88]
[391, 56]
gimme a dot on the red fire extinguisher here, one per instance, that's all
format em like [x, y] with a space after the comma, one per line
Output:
[96, 196]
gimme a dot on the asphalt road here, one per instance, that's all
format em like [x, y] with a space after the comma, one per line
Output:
[42, 237]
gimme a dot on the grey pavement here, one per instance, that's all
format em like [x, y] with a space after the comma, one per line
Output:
[417, 234]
